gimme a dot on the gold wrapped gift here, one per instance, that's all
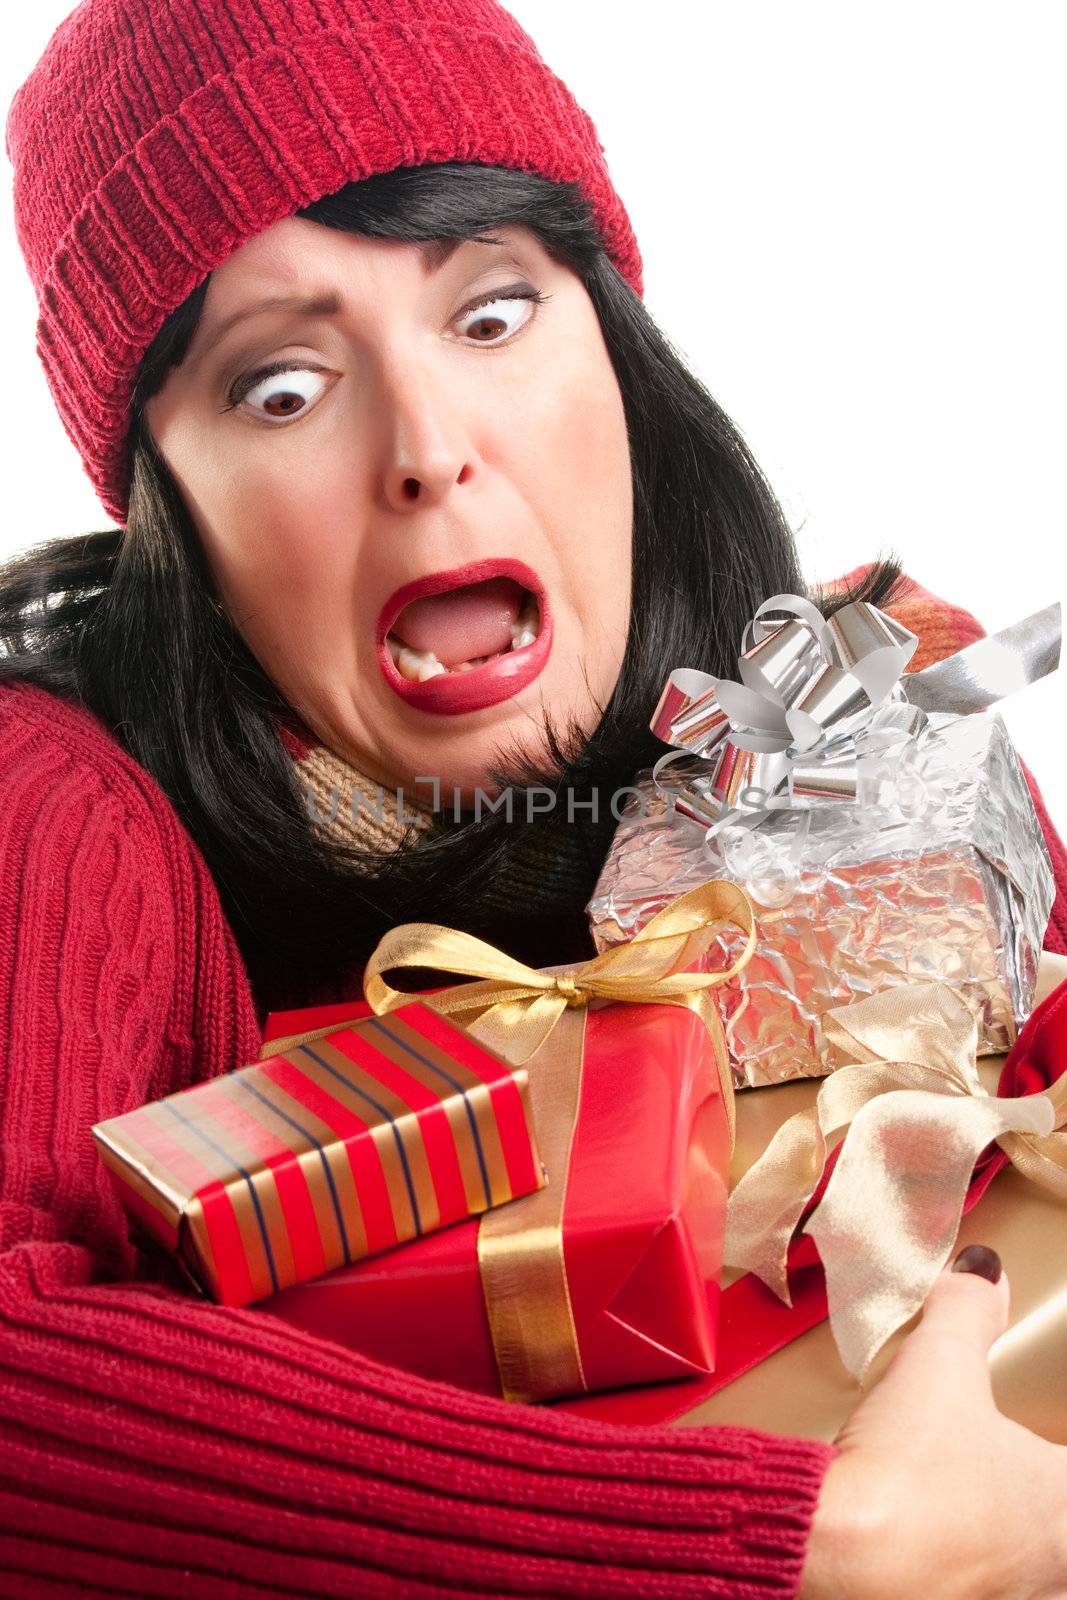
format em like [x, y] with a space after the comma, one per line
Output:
[805, 1390]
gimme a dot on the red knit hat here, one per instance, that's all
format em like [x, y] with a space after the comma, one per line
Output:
[151, 140]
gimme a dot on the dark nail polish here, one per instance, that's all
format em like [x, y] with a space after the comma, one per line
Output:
[980, 1259]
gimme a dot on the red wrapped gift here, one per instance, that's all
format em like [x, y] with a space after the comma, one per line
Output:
[610, 1274]
[375, 1133]
[642, 1226]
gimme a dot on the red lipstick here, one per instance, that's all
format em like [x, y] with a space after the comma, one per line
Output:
[452, 693]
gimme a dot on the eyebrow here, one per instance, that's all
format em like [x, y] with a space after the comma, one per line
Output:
[434, 252]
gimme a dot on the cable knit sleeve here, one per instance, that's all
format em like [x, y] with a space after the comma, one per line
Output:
[157, 1444]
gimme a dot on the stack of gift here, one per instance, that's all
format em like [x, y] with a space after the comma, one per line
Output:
[878, 819]
[517, 1184]
[521, 1183]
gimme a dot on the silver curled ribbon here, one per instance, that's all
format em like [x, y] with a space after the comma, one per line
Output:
[822, 705]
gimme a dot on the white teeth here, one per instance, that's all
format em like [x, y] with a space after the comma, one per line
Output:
[527, 625]
[415, 665]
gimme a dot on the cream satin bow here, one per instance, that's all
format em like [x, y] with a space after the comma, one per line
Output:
[915, 1116]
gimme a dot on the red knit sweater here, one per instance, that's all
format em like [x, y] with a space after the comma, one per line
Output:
[156, 1444]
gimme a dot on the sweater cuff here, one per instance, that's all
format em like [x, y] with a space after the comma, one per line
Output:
[771, 1508]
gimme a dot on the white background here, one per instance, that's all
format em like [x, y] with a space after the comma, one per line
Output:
[851, 218]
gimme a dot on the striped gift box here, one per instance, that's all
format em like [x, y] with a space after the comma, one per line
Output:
[327, 1152]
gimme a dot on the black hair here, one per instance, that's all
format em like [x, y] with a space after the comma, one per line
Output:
[126, 623]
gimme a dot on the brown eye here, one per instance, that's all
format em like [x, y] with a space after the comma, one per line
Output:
[278, 392]
[488, 325]
[495, 317]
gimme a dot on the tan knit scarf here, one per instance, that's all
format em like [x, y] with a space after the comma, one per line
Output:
[551, 869]
[347, 805]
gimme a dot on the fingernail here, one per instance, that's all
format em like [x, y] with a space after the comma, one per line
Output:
[980, 1259]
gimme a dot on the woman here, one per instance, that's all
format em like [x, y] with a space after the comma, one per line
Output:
[328, 517]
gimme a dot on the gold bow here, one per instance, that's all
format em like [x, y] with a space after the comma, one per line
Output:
[915, 1116]
[521, 1013]
[515, 1007]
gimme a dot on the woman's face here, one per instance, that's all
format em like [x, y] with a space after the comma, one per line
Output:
[429, 482]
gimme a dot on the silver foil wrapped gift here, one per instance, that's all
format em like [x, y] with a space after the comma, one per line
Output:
[884, 841]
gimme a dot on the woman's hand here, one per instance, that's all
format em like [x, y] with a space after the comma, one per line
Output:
[936, 1493]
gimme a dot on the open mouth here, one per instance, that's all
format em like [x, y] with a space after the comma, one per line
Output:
[463, 628]
[465, 638]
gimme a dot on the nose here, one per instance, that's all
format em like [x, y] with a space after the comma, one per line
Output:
[428, 447]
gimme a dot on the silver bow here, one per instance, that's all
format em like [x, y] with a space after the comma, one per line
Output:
[824, 702]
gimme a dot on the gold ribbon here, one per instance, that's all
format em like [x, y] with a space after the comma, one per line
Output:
[915, 1116]
[538, 1018]
[520, 1247]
